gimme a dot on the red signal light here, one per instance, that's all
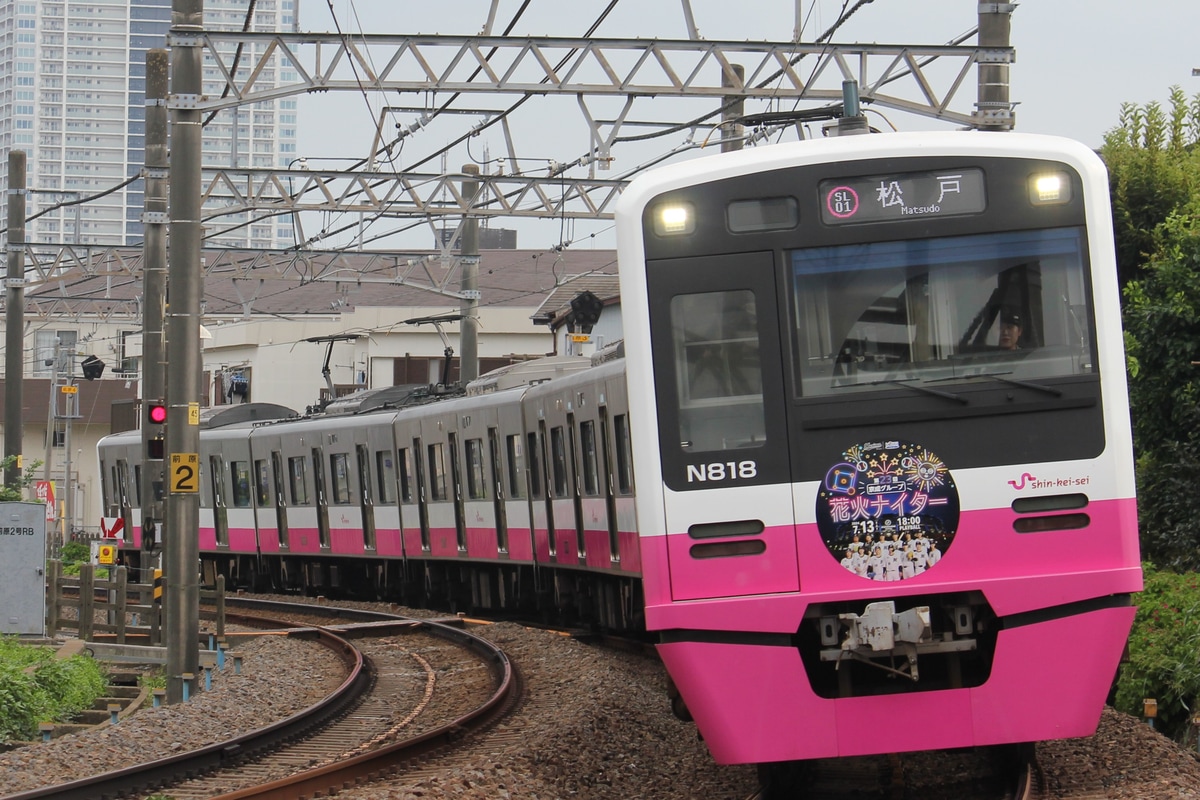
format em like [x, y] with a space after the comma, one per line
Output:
[156, 413]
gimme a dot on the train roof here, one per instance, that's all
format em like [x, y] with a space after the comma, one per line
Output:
[242, 413]
[390, 397]
[527, 373]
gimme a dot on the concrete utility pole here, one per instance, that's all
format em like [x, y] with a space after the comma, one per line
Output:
[731, 132]
[154, 276]
[182, 523]
[994, 111]
[14, 338]
[468, 358]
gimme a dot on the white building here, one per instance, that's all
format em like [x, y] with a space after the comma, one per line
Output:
[72, 96]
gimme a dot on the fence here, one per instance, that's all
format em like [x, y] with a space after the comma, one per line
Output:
[114, 608]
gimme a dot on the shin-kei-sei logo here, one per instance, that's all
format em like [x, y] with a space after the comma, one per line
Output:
[1019, 485]
[1028, 481]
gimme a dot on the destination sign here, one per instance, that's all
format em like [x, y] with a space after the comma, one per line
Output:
[912, 195]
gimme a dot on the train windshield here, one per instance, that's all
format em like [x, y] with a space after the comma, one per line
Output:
[1012, 306]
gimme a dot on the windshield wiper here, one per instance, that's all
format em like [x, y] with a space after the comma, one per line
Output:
[1037, 387]
[916, 387]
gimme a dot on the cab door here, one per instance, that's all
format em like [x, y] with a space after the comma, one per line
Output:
[723, 439]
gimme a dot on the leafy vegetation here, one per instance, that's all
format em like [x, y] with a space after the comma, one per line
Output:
[36, 687]
[1162, 653]
[1154, 168]
[73, 554]
[16, 492]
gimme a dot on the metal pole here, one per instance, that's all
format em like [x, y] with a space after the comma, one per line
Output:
[154, 272]
[993, 109]
[732, 133]
[181, 530]
[14, 338]
[469, 305]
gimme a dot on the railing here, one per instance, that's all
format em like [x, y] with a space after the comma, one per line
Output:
[128, 610]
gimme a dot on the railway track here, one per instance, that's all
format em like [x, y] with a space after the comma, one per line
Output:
[982, 773]
[354, 735]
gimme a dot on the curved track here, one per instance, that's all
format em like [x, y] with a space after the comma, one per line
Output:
[328, 741]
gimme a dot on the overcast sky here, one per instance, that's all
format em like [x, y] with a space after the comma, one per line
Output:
[1077, 60]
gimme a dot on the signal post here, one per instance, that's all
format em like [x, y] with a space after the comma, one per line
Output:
[181, 563]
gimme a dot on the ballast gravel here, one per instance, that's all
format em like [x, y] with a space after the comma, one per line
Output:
[596, 724]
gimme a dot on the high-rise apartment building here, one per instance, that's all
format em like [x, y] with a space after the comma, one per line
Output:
[72, 96]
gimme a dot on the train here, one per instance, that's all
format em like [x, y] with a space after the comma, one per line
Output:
[872, 389]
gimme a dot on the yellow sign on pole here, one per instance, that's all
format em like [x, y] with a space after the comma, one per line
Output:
[69, 389]
[185, 473]
[107, 554]
[193, 413]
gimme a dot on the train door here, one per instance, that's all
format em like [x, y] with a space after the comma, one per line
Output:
[573, 463]
[124, 501]
[322, 501]
[606, 481]
[723, 438]
[217, 500]
[366, 502]
[414, 457]
[456, 493]
[496, 478]
[546, 494]
[281, 510]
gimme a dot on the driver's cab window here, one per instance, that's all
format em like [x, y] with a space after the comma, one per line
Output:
[717, 370]
[877, 314]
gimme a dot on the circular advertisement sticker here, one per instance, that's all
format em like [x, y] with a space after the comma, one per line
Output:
[888, 511]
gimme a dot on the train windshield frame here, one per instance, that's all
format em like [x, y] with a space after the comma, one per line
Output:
[1008, 306]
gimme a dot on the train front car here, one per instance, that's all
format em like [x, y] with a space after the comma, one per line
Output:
[885, 480]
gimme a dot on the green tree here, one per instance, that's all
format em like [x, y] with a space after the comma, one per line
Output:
[1154, 170]
[1162, 324]
[16, 492]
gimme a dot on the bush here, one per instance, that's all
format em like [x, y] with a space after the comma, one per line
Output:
[1162, 653]
[36, 687]
[73, 555]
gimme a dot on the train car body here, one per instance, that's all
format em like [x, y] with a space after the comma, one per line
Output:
[874, 399]
[872, 521]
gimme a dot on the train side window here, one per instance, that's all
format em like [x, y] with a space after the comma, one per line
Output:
[339, 474]
[121, 476]
[587, 444]
[277, 475]
[298, 478]
[385, 470]
[404, 463]
[476, 484]
[558, 459]
[516, 466]
[240, 471]
[216, 474]
[718, 371]
[437, 472]
[535, 467]
[262, 483]
[624, 454]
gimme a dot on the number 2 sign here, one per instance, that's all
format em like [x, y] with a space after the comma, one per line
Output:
[185, 473]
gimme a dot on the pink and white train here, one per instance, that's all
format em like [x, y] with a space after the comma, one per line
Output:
[873, 390]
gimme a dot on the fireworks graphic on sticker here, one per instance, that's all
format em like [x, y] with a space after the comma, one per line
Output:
[888, 510]
[924, 471]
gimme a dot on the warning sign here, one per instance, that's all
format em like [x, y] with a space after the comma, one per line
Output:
[112, 527]
[106, 554]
